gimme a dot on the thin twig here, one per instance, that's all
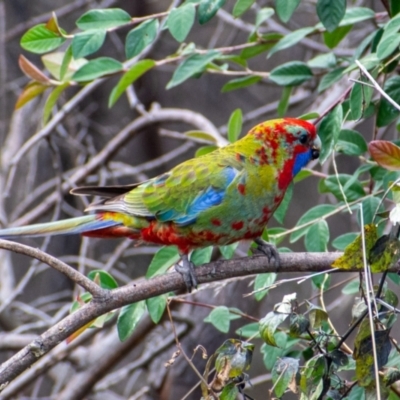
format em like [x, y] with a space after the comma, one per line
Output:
[376, 85]
[55, 263]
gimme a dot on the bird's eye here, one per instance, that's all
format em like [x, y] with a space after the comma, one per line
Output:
[303, 138]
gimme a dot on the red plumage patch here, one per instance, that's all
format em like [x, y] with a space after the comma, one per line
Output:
[237, 226]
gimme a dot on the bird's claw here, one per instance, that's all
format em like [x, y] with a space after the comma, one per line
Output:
[187, 272]
[269, 250]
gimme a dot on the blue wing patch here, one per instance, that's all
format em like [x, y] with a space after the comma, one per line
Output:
[206, 199]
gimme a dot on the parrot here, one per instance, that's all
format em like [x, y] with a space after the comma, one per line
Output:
[219, 198]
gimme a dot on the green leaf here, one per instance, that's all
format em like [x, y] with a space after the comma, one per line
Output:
[271, 353]
[311, 215]
[286, 8]
[388, 45]
[135, 72]
[88, 42]
[284, 374]
[269, 41]
[140, 37]
[351, 143]
[192, 65]
[356, 15]
[249, 330]
[328, 132]
[284, 101]
[327, 60]
[331, 13]
[103, 279]
[52, 100]
[201, 256]
[103, 19]
[229, 250]
[352, 287]
[263, 281]
[220, 318]
[350, 185]
[311, 381]
[240, 83]
[342, 241]
[201, 151]
[370, 206]
[41, 40]
[360, 98]
[330, 78]
[317, 237]
[200, 135]
[280, 212]
[208, 8]
[306, 117]
[241, 6]
[229, 392]
[96, 69]
[394, 7]
[235, 125]
[128, 319]
[292, 73]
[180, 21]
[262, 15]
[386, 112]
[269, 325]
[290, 40]
[156, 307]
[392, 26]
[65, 66]
[332, 39]
[164, 259]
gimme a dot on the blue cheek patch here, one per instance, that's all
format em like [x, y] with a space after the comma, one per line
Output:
[301, 161]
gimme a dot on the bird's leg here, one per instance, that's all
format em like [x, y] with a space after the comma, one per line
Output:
[187, 272]
[269, 250]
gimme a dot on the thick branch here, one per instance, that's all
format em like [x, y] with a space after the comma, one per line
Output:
[219, 270]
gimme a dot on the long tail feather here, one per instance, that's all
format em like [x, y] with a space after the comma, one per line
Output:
[82, 224]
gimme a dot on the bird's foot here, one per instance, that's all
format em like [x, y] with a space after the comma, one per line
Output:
[269, 250]
[187, 272]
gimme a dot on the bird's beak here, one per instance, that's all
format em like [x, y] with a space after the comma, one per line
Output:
[315, 147]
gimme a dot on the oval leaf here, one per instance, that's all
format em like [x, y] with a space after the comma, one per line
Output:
[87, 42]
[286, 8]
[141, 37]
[164, 259]
[128, 78]
[331, 13]
[208, 8]
[180, 21]
[190, 66]
[235, 125]
[292, 73]
[386, 154]
[103, 19]
[97, 68]
[128, 319]
[40, 39]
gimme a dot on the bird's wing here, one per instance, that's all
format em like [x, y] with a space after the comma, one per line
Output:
[181, 194]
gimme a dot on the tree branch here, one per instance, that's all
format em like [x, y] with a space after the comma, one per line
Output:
[215, 271]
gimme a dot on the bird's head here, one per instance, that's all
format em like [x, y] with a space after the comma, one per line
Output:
[301, 136]
[291, 142]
